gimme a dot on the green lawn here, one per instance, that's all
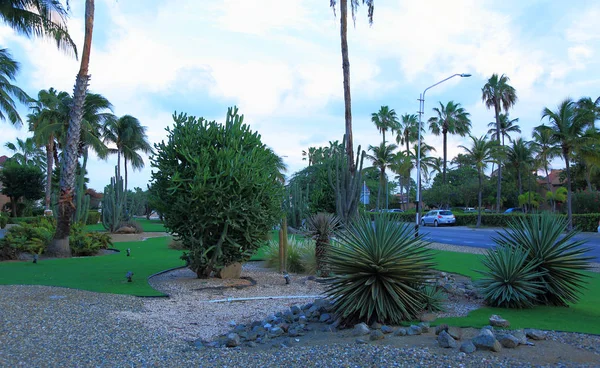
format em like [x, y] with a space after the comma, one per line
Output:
[147, 225]
[104, 274]
[581, 317]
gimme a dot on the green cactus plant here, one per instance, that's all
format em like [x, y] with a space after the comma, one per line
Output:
[296, 204]
[82, 201]
[346, 185]
[112, 204]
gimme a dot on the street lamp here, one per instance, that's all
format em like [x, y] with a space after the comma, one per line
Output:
[533, 172]
[421, 112]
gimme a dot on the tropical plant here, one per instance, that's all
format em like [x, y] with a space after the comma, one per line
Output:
[298, 255]
[590, 110]
[60, 245]
[511, 278]
[567, 127]
[451, 119]
[507, 126]
[433, 298]
[587, 154]
[21, 181]
[8, 91]
[497, 93]
[385, 119]
[520, 157]
[559, 258]
[545, 148]
[222, 221]
[382, 157]
[378, 271]
[321, 227]
[346, 69]
[27, 152]
[345, 184]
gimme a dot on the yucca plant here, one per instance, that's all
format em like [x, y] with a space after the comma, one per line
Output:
[511, 278]
[559, 257]
[378, 271]
[321, 227]
[298, 253]
[433, 298]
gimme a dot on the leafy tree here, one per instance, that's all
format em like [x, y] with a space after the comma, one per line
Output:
[26, 152]
[497, 93]
[587, 154]
[507, 126]
[545, 148]
[21, 182]
[567, 127]
[382, 158]
[8, 91]
[219, 189]
[385, 119]
[590, 110]
[451, 119]
[520, 157]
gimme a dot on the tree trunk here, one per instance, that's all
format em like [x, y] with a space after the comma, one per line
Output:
[346, 72]
[519, 180]
[125, 191]
[499, 184]
[445, 134]
[569, 210]
[49, 165]
[13, 204]
[479, 194]
[60, 244]
[321, 250]
[381, 186]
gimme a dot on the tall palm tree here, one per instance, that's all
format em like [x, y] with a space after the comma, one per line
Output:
[520, 157]
[60, 245]
[546, 148]
[385, 119]
[497, 93]
[507, 126]
[587, 152]
[409, 130]
[382, 158]
[401, 166]
[27, 152]
[39, 18]
[346, 67]
[482, 153]
[590, 110]
[567, 127]
[8, 91]
[451, 118]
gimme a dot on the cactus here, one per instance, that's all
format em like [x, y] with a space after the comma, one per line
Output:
[345, 184]
[297, 204]
[112, 203]
[82, 201]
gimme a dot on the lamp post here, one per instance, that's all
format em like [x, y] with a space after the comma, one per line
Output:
[421, 112]
[533, 172]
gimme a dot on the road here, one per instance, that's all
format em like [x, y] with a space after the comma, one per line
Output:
[482, 238]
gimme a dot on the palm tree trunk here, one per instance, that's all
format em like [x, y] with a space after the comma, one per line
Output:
[60, 244]
[499, 184]
[520, 181]
[125, 191]
[49, 164]
[346, 72]
[379, 190]
[549, 186]
[588, 174]
[569, 210]
[445, 134]
[479, 194]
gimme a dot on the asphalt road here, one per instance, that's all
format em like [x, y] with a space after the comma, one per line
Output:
[482, 238]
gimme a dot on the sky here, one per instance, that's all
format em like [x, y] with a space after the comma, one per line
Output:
[280, 63]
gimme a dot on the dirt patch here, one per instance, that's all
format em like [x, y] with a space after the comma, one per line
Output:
[117, 238]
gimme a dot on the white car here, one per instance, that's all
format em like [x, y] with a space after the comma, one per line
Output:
[438, 217]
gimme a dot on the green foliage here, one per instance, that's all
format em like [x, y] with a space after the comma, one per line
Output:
[321, 227]
[112, 204]
[300, 255]
[586, 201]
[85, 243]
[378, 271]
[218, 188]
[3, 221]
[433, 298]
[587, 222]
[345, 184]
[511, 278]
[21, 181]
[559, 260]
[82, 200]
[93, 217]
[296, 204]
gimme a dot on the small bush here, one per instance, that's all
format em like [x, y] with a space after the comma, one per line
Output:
[433, 298]
[30, 238]
[321, 227]
[176, 244]
[85, 243]
[133, 224]
[3, 221]
[93, 218]
[300, 255]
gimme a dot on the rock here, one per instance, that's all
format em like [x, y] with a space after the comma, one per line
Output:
[336, 323]
[324, 317]
[414, 330]
[232, 324]
[488, 328]
[498, 321]
[302, 319]
[360, 329]
[455, 332]
[508, 341]
[232, 271]
[251, 344]
[520, 335]
[468, 347]
[424, 327]
[276, 331]
[400, 332]
[361, 341]
[387, 329]
[267, 326]
[285, 327]
[486, 342]
[428, 317]
[294, 332]
[440, 328]
[232, 340]
[375, 325]
[125, 230]
[295, 309]
[445, 340]
[486, 332]
[535, 334]
[376, 335]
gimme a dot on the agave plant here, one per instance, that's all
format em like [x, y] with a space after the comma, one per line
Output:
[559, 257]
[298, 251]
[378, 271]
[511, 280]
[321, 227]
[433, 298]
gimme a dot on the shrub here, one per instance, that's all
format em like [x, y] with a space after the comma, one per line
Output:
[378, 271]
[321, 227]
[558, 258]
[3, 221]
[586, 201]
[176, 244]
[586, 222]
[133, 224]
[298, 254]
[85, 243]
[433, 298]
[218, 188]
[93, 218]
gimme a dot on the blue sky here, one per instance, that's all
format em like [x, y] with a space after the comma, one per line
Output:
[280, 63]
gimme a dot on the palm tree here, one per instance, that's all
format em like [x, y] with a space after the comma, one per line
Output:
[385, 119]
[482, 153]
[567, 127]
[590, 110]
[27, 152]
[346, 67]
[588, 154]
[545, 146]
[520, 156]
[451, 118]
[401, 166]
[39, 18]
[409, 130]
[128, 134]
[382, 158]
[507, 126]
[497, 93]
[60, 245]
[8, 91]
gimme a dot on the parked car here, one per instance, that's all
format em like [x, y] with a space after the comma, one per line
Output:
[395, 210]
[514, 210]
[469, 210]
[438, 217]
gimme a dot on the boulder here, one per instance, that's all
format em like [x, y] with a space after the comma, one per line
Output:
[400, 332]
[295, 309]
[375, 325]
[486, 342]
[361, 341]
[414, 330]
[446, 341]
[520, 335]
[468, 347]
[455, 332]
[125, 230]
[376, 335]
[508, 341]
[360, 329]
[386, 329]
[233, 271]
[535, 334]
[232, 340]
[497, 321]
[324, 317]
[424, 327]
[440, 328]
[276, 331]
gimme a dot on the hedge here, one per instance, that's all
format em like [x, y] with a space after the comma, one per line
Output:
[93, 218]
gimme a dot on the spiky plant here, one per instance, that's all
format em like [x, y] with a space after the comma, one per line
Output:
[297, 251]
[560, 258]
[378, 270]
[511, 279]
[433, 298]
[321, 227]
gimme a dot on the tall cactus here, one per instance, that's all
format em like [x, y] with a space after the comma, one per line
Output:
[297, 207]
[112, 203]
[82, 201]
[345, 184]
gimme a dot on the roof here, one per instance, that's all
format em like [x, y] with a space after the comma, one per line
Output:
[3, 160]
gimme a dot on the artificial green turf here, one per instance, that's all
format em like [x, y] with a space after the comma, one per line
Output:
[104, 274]
[149, 226]
[583, 316]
